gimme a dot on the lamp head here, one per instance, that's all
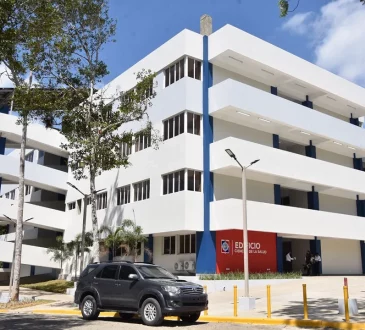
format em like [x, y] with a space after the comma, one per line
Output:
[230, 153]
[255, 161]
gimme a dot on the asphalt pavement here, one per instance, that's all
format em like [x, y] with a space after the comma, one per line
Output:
[51, 322]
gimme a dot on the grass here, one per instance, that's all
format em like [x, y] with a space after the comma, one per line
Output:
[24, 303]
[56, 286]
[253, 276]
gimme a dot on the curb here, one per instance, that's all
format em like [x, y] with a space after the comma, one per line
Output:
[224, 319]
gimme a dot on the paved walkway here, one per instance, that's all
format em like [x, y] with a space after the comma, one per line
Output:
[286, 299]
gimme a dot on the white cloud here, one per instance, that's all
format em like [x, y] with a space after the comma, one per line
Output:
[337, 36]
[4, 80]
[298, 23]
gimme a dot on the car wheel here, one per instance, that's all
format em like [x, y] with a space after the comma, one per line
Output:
[151, 312]
[126, 316]
[89, 309]
[191, 318]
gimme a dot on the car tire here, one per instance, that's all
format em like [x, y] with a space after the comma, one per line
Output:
[151, 312]
[89, 308]
[191, 318]
[125, 317]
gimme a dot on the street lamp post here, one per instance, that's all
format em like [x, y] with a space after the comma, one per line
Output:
[82, 249]
[244, 206]
[13, 260]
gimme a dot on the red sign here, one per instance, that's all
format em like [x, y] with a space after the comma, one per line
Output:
[261, 249]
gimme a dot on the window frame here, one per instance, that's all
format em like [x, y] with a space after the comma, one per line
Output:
[170, 239]
[174, 72]
[144, 184]
[124, 195]
[183, 239]
[171, 187]
[172, 121]
[71, 206]
[101, 202]
[195, 120]
[195, 180]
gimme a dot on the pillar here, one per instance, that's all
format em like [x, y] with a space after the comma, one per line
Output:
[206, 243]
[310, 151]
[315, 247]
[279, 254]
[358, 163]
[354, 121]
[148, 255]
[362, 249]
[307, 103]
[313, 199]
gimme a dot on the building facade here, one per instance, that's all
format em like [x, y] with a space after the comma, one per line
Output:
[231, 90]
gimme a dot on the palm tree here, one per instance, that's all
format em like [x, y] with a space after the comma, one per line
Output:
[131, 235]
[75, 245]
[60, 251]
[113, 239]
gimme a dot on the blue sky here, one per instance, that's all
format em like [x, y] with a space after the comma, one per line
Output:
[144, 25]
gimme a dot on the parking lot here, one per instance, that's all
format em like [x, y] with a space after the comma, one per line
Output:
[49, 322]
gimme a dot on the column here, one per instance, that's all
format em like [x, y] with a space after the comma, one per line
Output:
[310, 151]
[307, 103]
[206, 240]
[313, 199]
[354, 121]
[362, 249]
[358, 163]
[148, 255]
[315, 247]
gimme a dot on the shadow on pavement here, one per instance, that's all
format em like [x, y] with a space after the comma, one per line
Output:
[322, 308]
[36, 322]
[166, 323]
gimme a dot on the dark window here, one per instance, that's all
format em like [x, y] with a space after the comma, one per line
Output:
[164, 184]
[171, 128]
[173, 182]
[177, 69]
[191, 180]
[175, 72]
[172, 74]
[198, 65]
[190, 123]
[101, 201]
[182, 116]
[165, 129]
[194, 180]
[125, 271]
[190, 67]
[169, 245]
[141, 190]
[182, 68]
[198, 181]
[167, 77]
[193, 123]
[197, 124]
[109, 272]
[124, 195]
[88, 270]
[177, 126]
[187, 243]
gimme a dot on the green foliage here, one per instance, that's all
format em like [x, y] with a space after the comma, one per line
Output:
[252, 276]
[284, 7]
[113, 239]
[56, 286]
[60, 252]
[75, 245]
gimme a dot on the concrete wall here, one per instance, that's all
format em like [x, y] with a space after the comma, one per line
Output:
[330, 113]
[337, 204]
[334, 158]
[221, 74]
[223, 129]
[341, 256]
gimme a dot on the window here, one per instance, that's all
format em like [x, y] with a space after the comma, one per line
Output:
[125, 149]
[124, 195]
[109, 272]
[125, 271]
[141, 190]
[71, 206]
[88, 270]
[173, 182]
[194, 180]
[29, 157]
[193, 123]
[142, 141]
[169, 245]
[27, 189]
[187, 244]
[7, 195]
[101, 201]
[12, 194]
[175, 72]
[174, 126]
[194, 68]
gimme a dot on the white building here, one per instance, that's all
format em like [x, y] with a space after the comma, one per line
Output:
[228, 90]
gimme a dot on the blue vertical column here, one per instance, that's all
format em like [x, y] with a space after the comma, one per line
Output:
[358, 163]
[310, 151]
[307, 103]
[313, 199]
[315, 247]
[206, 245]
[354, 121]
[148, 255]
[362, 249]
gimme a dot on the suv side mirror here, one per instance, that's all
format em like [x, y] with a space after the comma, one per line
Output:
[133, 277]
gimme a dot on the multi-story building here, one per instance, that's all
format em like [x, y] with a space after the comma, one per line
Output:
[231, 90]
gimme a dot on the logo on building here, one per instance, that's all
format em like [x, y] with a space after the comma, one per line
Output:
[225, 246]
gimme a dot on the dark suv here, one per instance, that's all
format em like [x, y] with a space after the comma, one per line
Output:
[138, 288]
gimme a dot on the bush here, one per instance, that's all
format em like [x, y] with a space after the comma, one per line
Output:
[56, 286]
[253, 276]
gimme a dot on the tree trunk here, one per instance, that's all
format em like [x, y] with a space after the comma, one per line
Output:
[94, 219]
[19, 224]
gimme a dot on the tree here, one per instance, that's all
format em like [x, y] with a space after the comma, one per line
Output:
[94, 128]
[113, 239]
[284, 7]
[60, 251]
[24, 24]
[75, 245]
[131, 235]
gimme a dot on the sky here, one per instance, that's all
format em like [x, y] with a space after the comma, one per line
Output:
[328, 33]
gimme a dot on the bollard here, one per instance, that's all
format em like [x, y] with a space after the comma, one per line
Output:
[268, 302]
[206, 291]
[346, 303]
[235, 301]
[305, 303]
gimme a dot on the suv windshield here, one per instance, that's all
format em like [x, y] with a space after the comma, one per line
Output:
[155, 272]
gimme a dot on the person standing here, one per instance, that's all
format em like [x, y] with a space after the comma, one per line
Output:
[307, 265]
[289, 259]
[317, 263]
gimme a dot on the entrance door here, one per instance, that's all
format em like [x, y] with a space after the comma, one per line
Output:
[288, 267]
